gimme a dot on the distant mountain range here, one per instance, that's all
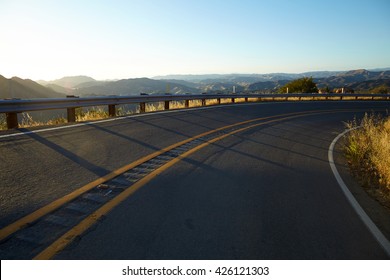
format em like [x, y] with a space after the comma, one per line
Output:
[214, 83]
[247, 78]
[359, 80]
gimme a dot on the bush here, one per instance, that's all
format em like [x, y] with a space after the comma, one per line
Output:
[303, 85]
[368, 153]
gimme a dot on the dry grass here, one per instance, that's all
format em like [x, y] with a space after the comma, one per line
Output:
[95, 113]
[159, 106]
[3, 122]
[211, 102]
[27, 121]
[368, 153]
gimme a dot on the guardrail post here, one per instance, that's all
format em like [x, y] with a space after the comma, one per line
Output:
[71, 114]
[233, 100]
[246, 99]
[12, 120]
[203, 102]
[166, 105]
[111, 110]
[142, 107]
[187, 103]
[219, 101]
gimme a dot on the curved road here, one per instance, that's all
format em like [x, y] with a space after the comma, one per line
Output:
[264, 193]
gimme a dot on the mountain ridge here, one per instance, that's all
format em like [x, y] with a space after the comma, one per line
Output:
[349, 78]
[268, 76]
[68, 81]
[135, 86]
[25, 89]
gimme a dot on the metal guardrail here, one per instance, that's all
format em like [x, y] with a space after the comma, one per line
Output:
[11, 107]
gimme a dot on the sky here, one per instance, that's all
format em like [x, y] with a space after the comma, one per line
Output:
[143, 38]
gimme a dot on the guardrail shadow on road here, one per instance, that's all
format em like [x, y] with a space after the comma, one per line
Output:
[162, 128]
[99, 171]
[291, 151]
[283, 130]
[221, 117]
[199, 124]
[128, 138]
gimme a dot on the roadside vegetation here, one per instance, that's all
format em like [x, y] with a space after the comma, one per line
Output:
[95, 113]
[368, 153]
[26, 120]
[3, 123]
[384, 89]
[303, 85]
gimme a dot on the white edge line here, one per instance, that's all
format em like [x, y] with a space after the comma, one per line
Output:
[356, 206]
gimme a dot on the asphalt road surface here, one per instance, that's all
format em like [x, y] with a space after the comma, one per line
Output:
[264, 193]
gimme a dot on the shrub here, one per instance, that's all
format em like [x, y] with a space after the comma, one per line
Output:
[368, 153]
[303, 85]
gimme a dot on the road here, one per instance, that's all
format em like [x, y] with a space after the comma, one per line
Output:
[264, 193]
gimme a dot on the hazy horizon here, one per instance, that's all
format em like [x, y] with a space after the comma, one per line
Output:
[190, 74]
[47, 40]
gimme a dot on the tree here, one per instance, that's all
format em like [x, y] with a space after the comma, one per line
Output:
[303, 85]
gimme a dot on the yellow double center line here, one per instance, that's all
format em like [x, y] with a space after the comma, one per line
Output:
[77, 230]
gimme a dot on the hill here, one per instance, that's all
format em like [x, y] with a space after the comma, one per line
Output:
[91, 84]
[25, 89]
[372, 86]
[221, 87]
[267, 87]
[355, 76]
[60, 89]
[135, 87]
[68, 82]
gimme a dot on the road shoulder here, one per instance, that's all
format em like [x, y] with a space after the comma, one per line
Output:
[378, 213]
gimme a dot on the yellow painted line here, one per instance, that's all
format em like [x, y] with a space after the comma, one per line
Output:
[25, 221]
[69, 236]
[31, 218]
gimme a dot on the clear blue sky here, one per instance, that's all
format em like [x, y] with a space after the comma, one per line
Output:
[139, 38]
